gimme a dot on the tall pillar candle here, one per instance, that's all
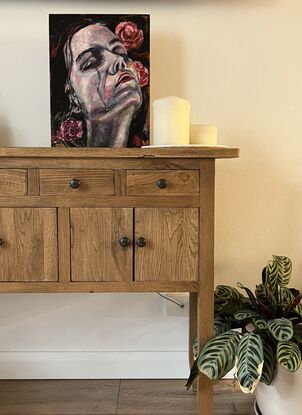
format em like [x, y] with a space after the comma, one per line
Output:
[203, 134]
[171, 121]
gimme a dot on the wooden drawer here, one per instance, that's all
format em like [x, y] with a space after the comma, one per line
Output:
[13, 182]
[78, 182]
[162, 182]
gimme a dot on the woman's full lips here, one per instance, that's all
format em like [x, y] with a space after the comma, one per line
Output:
[125, 77]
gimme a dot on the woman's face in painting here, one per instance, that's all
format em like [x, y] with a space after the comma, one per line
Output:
[101, 75]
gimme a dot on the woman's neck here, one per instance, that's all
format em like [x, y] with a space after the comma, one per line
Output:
[109, 130]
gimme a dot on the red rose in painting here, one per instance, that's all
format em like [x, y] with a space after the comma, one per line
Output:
[71, 129]
[131, 36]
[142, 72]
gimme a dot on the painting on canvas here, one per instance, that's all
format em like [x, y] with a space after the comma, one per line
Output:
[99, 80]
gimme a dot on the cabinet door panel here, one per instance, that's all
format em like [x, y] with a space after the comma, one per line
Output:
[96, 254]
[171, 251]
[28, 250]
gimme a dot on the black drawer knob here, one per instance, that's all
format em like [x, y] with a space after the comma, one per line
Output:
[141, 242]
[74, 183]
[162, 183]
[124, 242]
[1, 241]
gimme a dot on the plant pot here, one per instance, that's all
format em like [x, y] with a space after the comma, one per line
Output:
[283, 396]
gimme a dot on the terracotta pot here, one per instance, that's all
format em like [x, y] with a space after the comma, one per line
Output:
[283, 396]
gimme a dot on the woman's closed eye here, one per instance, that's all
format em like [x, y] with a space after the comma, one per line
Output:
[90, 63]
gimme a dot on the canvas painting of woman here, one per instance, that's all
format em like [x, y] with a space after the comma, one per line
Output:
[99, 78]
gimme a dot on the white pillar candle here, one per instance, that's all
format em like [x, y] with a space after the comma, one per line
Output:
[171, 121]
[203, 134]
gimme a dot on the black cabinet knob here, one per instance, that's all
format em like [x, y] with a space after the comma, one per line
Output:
[124, 242]
[141, 242]
[1, 241]
[74, 183]
[162, 183]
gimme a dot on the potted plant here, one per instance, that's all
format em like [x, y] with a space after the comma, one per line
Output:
[268, 342]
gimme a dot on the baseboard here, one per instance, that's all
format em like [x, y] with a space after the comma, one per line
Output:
[93, 365]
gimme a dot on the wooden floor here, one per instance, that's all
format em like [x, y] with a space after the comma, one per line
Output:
[108, 397]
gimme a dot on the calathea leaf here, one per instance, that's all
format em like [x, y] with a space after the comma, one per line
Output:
[249, 293]
[284, 267]
[266, 297]
[287, 299]
[249, 362]
[289, 355]
[246, 314]
[260, 323]
[193, 374]
[228, 293]
[217, 357]
[221, 325]
[281, 329]
[271, 276]
[219, 304]
[269, 365]
[298, 309]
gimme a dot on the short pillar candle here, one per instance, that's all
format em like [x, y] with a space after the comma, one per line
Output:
[171, 121]
[203, 134]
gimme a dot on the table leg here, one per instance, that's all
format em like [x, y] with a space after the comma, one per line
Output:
[192, 329]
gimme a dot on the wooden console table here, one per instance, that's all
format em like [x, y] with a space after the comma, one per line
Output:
[112, 220]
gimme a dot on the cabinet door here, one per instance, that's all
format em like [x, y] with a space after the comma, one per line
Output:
[28, 244]
[171, 244]
[96, 251]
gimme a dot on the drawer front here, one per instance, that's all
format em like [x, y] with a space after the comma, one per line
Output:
[78, 182]
[162, 182]
[13, 182]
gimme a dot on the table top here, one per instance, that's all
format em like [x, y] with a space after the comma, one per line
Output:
[196, 152]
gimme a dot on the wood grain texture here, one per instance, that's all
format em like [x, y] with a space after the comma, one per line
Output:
[96, 254]
[120, 182]
[179, 182]
[111, 397]
[172, 236]
[92, 182]
[33, 182]
[205, 301]
[97, 152]
[105, 201]
[29, 249]
[95, 287]
[13, 182]
[64, 244]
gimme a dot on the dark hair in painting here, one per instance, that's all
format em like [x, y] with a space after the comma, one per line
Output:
[64, 108]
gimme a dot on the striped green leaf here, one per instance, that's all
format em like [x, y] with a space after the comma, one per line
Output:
[221, 325]
[260, 323]
[269, 365]
[281, 329]
[228, 293]
[289, 355]
[249, 362]
[266, 296]
[271, 276]
[287, 299]
[245, 314]
[298, 309]
[217, 357]
[284, 267]
[193, 375]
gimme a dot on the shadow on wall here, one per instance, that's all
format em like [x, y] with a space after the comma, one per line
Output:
[6, 135]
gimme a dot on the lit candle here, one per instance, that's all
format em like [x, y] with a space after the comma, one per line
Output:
[203, 134]
[171, 121]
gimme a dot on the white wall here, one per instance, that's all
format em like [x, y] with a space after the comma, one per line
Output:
[239, 62]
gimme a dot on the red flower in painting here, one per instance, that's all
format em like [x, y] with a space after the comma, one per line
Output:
[142, 72]
[70, 134]
[131, 36]
[71, 129]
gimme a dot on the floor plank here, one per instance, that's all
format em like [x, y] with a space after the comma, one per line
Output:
[115, 397]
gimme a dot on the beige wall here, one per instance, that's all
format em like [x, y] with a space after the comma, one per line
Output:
[239, 62]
